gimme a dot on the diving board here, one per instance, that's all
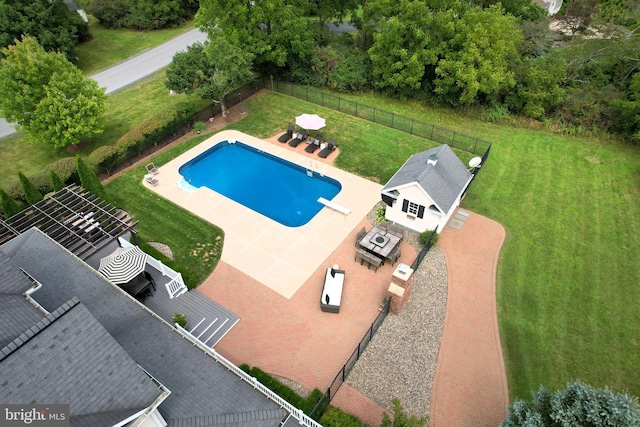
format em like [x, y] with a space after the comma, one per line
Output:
[334, 206]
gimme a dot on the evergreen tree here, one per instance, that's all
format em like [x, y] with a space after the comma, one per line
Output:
[8, 205]
[89, 180]
[31, 193]
[56, 182]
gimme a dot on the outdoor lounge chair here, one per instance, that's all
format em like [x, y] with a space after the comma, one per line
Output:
[152, 169]
[302, 135]
[331, 145]
[287, 135]
[314, 145]
[332, 290]
[151, 180]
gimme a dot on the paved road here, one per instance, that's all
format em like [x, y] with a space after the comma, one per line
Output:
[135, 68]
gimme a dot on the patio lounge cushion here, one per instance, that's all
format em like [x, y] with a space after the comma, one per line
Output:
[332, 290]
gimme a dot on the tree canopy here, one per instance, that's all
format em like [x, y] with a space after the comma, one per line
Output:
[142, 14]
[54, 26]
[273, 30]
[211, 71]
[51, 101]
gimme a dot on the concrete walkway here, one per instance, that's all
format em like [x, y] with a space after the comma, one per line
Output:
[470, 386]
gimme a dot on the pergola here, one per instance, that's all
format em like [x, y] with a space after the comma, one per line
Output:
[75, 218]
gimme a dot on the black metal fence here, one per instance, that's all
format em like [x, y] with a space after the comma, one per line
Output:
[341, 376]
[423, 252]
[387, 118]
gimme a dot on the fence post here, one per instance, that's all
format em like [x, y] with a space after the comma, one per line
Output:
[393, 115]
[307, 93]
[356, 109]
[374, 115]
[358, 352]
[453, 139]
[432, 128]
[411, 132]
[343, 372]
[474, 146]
[323, 99]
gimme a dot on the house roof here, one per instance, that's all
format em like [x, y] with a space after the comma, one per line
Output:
[16, 314]
[199, 385]
[67, 357]
[442, 181]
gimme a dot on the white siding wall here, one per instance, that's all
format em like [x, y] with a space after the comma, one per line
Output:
[416, 195]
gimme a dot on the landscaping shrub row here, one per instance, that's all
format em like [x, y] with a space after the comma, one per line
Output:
[305, 404]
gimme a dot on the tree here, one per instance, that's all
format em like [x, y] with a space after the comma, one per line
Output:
[142, 14]
[51, 101]
[57, 183]
[400, 51]
[89, 180]
[577, 405]
[8, 205]
[480, 58]
[49, 21]
[273, 30]
[211, 71]
[31, 193]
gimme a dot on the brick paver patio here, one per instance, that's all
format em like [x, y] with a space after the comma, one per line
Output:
[470, 386]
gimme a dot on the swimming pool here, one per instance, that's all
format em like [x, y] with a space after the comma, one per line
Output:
[269, 185]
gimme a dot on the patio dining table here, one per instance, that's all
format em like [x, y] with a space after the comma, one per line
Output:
[379, 242]
[138, 286]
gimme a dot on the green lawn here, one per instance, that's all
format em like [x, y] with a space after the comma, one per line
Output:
[111, 46]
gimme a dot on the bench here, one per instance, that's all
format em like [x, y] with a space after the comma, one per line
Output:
[334, 206]
[332, 290]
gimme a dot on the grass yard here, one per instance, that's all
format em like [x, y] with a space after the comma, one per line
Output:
[111, 46]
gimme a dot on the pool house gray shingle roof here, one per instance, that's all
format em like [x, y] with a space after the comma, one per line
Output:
[67, 357]
[200, 386]
[437, 171]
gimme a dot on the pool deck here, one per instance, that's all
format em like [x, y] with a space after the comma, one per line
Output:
[282, 258]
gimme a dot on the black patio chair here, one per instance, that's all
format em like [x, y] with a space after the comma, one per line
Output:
[302, 135]
[331, 145]
[287, 135]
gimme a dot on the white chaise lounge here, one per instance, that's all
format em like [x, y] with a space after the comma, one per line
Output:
[332, 290]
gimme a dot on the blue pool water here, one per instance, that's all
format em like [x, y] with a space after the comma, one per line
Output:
[271, 186]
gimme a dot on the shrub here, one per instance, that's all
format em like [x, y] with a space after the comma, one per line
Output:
[151, 131]
[199, 127]
[180, 319]
[424, 236]
[400, 419]
[305, 404]
[380, 213]
[31, 193]
[105, 157]
[335, 417]
[65, 169]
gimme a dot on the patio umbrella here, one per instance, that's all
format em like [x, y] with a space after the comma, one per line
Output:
[123, 265]
[310, 121]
